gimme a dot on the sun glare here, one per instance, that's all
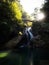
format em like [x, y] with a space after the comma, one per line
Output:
[30, 5]
[40, 16]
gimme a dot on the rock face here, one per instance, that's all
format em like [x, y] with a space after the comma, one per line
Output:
[13, 42]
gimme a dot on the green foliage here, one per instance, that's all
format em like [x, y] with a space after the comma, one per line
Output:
[3, 54]
[10, 20]
[36, 27]
[15, 9]
[12, 11]
[41, 29]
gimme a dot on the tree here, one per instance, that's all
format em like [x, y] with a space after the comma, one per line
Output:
[42, 28]
[10, 20]
[46, 10]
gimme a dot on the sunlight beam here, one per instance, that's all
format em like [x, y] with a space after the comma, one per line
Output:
[30, 5]
[40, 16]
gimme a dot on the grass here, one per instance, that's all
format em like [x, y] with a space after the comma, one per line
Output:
[4, 54]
